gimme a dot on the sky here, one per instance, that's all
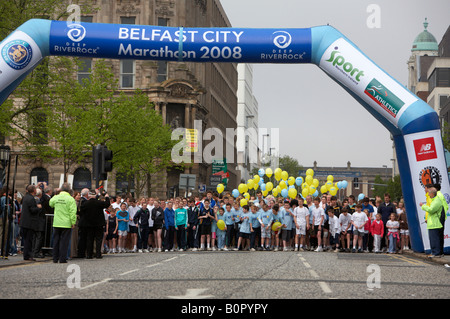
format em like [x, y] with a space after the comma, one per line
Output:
[317, 119]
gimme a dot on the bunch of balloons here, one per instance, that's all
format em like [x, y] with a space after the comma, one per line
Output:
[286, 186]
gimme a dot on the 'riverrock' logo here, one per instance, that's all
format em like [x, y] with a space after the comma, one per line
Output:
[282, 39]
[17, 54]
[76, 32]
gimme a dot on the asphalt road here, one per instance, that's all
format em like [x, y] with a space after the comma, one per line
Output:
[229, 276]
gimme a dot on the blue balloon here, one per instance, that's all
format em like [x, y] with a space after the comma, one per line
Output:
[284, 192]
[316, 193]
[235, 193]
[361, 196]
[299, 181]
[261, 172]
[339, 185]
[263, 187]
[344, 184]
[291, 186]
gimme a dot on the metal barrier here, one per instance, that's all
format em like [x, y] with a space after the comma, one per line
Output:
[48, 232]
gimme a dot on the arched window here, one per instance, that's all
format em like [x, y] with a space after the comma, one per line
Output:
[82, 179]
[41, 174]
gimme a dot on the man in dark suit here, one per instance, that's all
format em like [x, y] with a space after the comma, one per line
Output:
[29, 221]
[94, 219]
[82, 230]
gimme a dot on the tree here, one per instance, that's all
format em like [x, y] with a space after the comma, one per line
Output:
[393, 187]
[290, 165]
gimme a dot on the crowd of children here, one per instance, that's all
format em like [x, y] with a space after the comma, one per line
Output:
[222, 223]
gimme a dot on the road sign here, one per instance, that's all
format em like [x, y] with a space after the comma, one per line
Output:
[187, 181]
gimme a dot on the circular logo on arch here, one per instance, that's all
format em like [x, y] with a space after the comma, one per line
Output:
[17, 54]
[430, 175]
[282, 39]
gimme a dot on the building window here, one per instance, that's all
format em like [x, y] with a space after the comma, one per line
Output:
[40, 173]
[84, 70]
[356, 183]
[124, 183]
[127, 74]
[162, 71]
[128, 20]
[82, 179]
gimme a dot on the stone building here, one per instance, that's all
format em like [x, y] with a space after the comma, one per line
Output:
[183, 92]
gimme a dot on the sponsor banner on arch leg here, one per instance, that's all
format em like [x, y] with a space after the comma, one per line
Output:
[427, 162]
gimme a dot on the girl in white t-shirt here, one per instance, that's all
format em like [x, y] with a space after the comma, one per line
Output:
[393, 225]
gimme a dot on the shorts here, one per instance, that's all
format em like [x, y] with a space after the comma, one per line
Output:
[265, 233]
[358, 232]
[316, 229]
[133, 229]
[286, 234]
[205, 229]
[244, 235]
[301, 230]
[111, 236]
[404, 232]
[122, 232]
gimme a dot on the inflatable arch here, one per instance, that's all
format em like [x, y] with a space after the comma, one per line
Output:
[413, 124]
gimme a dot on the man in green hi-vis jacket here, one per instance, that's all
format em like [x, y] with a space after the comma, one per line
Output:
[434, 225]
[64, 220]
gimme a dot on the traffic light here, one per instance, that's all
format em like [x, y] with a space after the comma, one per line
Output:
[96, 164]
[106, 164]
[101, 162]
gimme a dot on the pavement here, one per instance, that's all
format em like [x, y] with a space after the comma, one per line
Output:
[18, 260]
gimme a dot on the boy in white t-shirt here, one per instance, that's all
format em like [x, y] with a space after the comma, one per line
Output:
[301, 220]
[318, 216]
[335, 228]
[359, 219]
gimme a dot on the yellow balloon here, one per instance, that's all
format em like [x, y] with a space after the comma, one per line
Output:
[277, 170]
[323, 189]
[247, 196]
[309, 172]
[329, 184]
[305, 192]
[277, 175]
[330, 178]
[312, 189]
[269, 186]
[256, 179]
[220, 188]
[278, 188]
[291, 181]
[315, 182]
[275, 226]
[221, 224]
[309, 180]
[275, 192]
[265, 193]
[243, 202]
[284, 175]
[292, 193]
[304, 185]
[269, 172]
[242, 188]
[333, 191]
[256, 186]
[282, 185]
[250, 184]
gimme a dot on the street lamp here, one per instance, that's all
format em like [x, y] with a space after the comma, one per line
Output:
[5, 152]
